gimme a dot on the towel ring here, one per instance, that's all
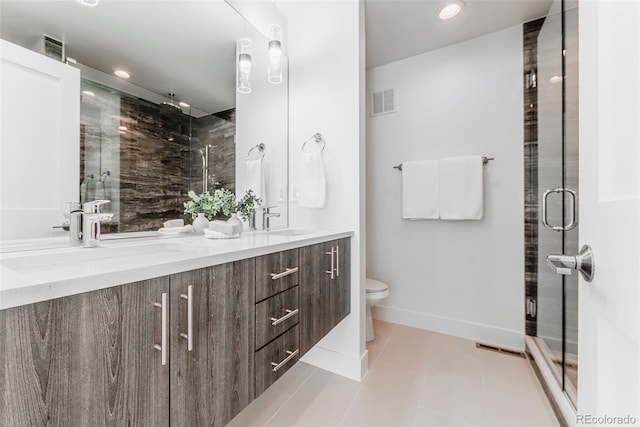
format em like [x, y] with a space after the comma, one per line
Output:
[317, 137]
[260, 147]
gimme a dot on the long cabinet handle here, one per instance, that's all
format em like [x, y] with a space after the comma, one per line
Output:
[163, 348]
[333, 269]
[286, 272]
[337, 261]
[291, 355]
[189, 335]
[290, 313]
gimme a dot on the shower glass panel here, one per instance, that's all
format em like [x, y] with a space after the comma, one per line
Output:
[557, 77]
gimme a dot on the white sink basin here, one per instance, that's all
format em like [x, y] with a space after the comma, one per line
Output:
[64, 258]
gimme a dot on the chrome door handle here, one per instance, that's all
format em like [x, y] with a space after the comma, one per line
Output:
[291, 355]
[286, 272]
[582, 262]
[574, 218]
[163, 348]
[276, 321]
[189, 335]
[333, 269]
[337, 261]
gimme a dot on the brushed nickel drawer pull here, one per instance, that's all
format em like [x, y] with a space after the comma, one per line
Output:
[286, 272]
[189, 335]
[333, 266]
[290, 313]
[337, 261]
[291, 355]
[164, 347]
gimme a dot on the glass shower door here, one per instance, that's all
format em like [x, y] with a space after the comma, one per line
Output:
[557, 320]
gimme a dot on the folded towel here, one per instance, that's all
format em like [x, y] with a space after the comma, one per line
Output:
[461, 188]
[420, 190]
[255, 179]
[312, 183]
[176, 230]
[174, 223]
[224, 227]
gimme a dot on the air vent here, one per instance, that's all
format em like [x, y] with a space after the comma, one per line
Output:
[383, 102]
[53, 48]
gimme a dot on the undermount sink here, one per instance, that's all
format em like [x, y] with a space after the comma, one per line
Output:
[289, 232]
[63, 258]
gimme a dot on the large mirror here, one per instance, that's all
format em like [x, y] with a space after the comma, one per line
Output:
[178, 123]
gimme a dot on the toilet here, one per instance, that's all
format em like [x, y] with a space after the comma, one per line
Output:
[376, 292]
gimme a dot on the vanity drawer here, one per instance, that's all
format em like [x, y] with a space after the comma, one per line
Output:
[276, 358]
[276, 314]
[276, 273]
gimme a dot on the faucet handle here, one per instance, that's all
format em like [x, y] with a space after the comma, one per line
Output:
[94, 206]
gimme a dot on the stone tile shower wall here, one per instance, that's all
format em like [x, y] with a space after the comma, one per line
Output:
[530, 37]
[149, 153]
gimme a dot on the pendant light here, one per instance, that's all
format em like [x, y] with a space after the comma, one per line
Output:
[243, 50]
[275, 54]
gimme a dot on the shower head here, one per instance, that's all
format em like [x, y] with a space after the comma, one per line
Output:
[171, 104]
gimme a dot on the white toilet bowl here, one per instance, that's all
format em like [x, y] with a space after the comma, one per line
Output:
[375, 293]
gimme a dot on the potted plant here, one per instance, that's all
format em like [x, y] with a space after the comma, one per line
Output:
[201, 207]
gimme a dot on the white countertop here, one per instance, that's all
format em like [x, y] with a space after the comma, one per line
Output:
[38, 275]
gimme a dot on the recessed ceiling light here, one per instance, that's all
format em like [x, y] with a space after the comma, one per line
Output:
[88, 93]
[555, 79]
[451, 9]
[183, 104]
[88, 2]
[122, 128]
[122, 74]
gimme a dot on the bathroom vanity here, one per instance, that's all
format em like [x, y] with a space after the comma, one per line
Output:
[193, 346]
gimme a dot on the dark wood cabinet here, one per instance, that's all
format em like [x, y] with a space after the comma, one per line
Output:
[87, 359]
[194, 348]
[325, 291]
[212, 382]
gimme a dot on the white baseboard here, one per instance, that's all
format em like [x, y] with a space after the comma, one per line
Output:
[338, 363]
[501, 337]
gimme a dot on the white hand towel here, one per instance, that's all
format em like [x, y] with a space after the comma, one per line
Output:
[420, 190]
[312, 183]
[461, 188]
[255, 179]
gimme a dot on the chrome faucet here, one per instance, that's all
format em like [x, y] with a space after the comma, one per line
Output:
[91, 222]
[267, 215]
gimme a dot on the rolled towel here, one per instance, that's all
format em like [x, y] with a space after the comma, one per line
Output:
[223, 227]
[174, 223]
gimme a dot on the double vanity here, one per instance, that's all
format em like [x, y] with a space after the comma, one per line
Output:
[180, 331]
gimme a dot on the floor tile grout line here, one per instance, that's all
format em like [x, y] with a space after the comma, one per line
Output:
[386, 342]
[291, 396]
[353, 399]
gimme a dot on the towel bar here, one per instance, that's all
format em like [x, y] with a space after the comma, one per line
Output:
[485, 160]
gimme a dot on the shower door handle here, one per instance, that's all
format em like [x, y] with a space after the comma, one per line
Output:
[582, 262]
[574, 206]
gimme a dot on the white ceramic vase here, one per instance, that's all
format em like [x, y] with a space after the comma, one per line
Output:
[200, 223]
[235, 220]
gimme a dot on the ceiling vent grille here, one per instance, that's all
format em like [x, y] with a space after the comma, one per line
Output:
[53, 48]
[383, 102]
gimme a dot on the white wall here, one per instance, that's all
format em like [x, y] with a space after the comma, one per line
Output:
[463, 278]
[326, 93]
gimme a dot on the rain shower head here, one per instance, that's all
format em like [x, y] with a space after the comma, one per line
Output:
[170, 103]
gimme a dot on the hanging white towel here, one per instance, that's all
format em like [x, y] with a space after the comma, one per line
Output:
[256, 179]
[312, 183]
[420, 190]
[461, 188]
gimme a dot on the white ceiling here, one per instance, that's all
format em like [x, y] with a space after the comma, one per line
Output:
[397, 29]
[185, 47]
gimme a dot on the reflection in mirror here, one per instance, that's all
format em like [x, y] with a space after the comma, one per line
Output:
[141, 147]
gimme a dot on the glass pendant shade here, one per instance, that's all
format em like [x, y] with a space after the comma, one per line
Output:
[275, 54]
[243, 50]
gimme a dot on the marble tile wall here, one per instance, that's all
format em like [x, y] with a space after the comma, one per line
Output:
[530, 36]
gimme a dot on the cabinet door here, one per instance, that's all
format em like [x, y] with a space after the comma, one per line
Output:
[214, 381]
[315, 298]
[83, 360]
[340, 286]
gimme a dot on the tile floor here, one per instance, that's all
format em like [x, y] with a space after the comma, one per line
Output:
[415, 378]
